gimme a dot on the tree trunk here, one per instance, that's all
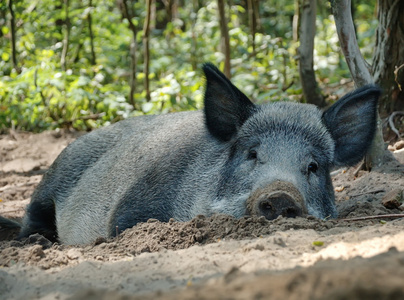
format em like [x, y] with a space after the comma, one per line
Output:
[3, 16]
[311, 91]
[252, 22]
[171, 12]
[146, 36]
[133, 47]
[296, 21]
[388, 59]
[66, 36]
[194, 16]
[358, 67]
[168, 5]
[225, 42]
[257, 17]
[161, 22]
[359, 70]
[90, 29]
[13, 38]
[353, 16]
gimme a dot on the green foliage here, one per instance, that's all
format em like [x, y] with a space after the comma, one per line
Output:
[85, 96]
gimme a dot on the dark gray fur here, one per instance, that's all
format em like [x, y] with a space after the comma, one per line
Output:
[184, 164]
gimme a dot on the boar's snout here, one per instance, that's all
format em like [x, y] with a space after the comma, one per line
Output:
[279, 198]
[278, 204]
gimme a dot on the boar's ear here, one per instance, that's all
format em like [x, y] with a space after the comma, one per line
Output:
[226, 108]
[352, 124]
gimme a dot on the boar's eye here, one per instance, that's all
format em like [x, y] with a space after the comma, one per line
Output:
[252, 154]
[313, 167]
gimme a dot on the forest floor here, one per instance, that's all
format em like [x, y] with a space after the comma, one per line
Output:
[208, 257]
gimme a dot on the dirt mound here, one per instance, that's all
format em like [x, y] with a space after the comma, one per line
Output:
[152, 236]
[205, 230]
[155, 236]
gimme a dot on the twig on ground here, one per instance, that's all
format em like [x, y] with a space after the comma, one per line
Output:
[17, 186]
[396, 75]
[391, 122]
[12, 210]
[388, 216]
[361, 167]
[336, 172]
[369, 192]
[288, 86]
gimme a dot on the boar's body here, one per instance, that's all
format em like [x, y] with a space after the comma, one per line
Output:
[227, 159]
[139, 163]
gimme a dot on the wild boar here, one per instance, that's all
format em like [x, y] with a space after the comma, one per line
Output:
[234, 157]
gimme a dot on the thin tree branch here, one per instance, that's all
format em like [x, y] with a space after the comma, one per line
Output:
[388, 216]
[146, 34]
[13, 39]
[90, 29]
[311, 91]
[225, 38]
[66, 37]
[133, 46]
[396, 75]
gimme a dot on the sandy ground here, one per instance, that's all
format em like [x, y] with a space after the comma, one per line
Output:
[209, 258]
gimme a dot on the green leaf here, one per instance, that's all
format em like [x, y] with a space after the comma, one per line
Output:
[318, 243]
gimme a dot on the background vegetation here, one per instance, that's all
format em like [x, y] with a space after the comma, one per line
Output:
[72, 64]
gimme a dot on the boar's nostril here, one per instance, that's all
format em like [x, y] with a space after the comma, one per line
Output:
[265, 205]
[292, 212]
